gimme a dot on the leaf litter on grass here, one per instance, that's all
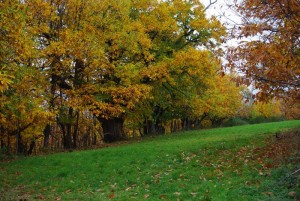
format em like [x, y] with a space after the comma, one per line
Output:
[222, 168]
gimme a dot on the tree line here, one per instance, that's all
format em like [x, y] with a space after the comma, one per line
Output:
[77, 73]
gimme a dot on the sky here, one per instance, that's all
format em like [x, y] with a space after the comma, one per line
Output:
[220, 7]
[226, 15]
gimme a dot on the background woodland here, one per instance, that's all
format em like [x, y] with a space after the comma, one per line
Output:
[75, 74]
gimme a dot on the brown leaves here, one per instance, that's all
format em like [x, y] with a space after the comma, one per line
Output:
[163, 197]
[269, 58]
[112, 195]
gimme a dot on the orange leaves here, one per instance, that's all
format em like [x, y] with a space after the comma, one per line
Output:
[115, 101]
[129, 96]
[269, 58]
[158, 72]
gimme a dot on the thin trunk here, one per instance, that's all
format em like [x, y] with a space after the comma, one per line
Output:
[47, 132]
[31, 147]
[20, 145]
[94, 139]
[159, 129]
[8, 144]
[75, 132]
[68, 136]
[2, 139]
[64, 139]
[2, 143]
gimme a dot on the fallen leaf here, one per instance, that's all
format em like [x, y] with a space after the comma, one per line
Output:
[292, 193]
[268, 193]
[162, 196]
[111, 196]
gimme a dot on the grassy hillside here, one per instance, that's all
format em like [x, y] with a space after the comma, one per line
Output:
[236, 163]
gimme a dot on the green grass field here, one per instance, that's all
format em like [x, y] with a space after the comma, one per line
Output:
[235, 163]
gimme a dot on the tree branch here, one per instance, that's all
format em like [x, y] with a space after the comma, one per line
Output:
[210, 4]
[280, 82]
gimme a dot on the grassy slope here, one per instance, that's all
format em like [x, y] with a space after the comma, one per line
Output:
[211, 164]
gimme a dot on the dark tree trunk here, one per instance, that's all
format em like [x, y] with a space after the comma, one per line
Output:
[2, 143]
[184, 124]
[47, 132]
[8, 145]
[112, 129]
[149, 127]
[31, 147]
[159, 129]
[94, 142]
[65, 140]
[68, 138]
[2, 139]
[75, 132]
[20, 145]
[187, 124]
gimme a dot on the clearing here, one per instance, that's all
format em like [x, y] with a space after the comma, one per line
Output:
[237, 163]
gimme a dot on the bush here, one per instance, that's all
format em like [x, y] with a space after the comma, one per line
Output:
[261, 119]
[235, 121]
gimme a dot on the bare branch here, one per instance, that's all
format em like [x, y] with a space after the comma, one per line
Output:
[296, 172]
[210, 4]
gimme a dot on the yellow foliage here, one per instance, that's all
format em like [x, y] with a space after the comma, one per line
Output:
[267, 109]
[206, 123]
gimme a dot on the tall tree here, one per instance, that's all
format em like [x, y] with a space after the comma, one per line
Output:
[90, 68]
[22, 85]
[179, 70]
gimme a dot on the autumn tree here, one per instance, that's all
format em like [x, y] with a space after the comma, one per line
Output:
[268, 52]
[179, 72]
[88, 67]
[22, 115]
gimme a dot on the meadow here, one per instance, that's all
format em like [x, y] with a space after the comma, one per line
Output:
[236, 163]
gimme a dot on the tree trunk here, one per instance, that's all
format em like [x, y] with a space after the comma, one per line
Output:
[113, 129]
[68, 143]
[184, 124]
[68, 138]
[31, 147]
[149, 127]
[94, 142]
[8, 144]
[75, 132]
[47, 132]
[20, 145]
[159, 129]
